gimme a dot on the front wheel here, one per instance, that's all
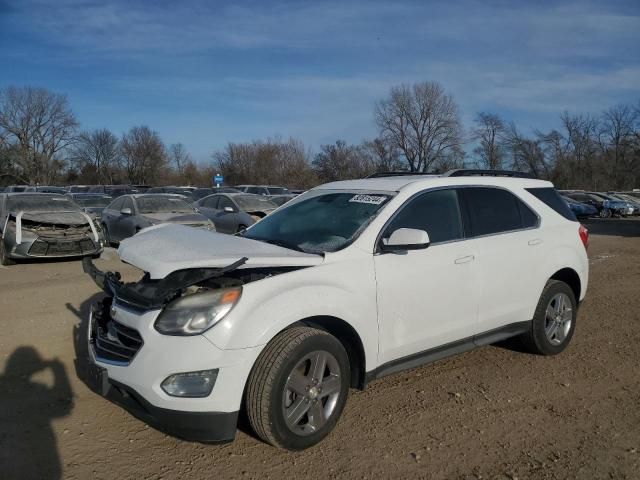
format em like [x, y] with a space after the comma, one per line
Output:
[605, 213]
[4, 257]
[554, 320]
[298, 388]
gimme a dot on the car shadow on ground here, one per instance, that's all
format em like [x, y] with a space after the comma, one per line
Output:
[28, 404]
[81, 361]
[619, 227]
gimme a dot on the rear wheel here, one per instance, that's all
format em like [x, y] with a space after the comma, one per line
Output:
[298, 388]
[4, 257]
[554, 320]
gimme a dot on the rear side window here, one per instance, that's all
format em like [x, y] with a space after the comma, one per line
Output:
[550, 197]
[494, 210]
[436, 212]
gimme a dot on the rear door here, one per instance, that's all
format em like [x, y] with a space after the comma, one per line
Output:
[508, 246]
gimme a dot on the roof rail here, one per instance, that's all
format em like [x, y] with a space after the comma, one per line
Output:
[395, 174]
[477, 172]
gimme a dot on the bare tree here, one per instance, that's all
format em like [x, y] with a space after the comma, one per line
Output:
[270, 162]
[489, 132]
[526, 153]
[340, 161]
[384, 156]
[422, 121]
[179, 157]
[96, 154]
[39, 126]
[616, 137]
[143, 154]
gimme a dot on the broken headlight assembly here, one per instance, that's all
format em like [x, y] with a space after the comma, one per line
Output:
[196, 313]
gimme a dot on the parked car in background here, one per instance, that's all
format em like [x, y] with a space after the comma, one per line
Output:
[233, 212]
[186, 192]
[91, 203]
[350, 282]
[281, 199]
[43, 225]
[263, 189]
[605, 208]
[79, 188]
[633, 201]
[580, 210]
[112, 190]
[613, 205]
[51, 189]
[205, 192]
[19, 188]
[128, 214]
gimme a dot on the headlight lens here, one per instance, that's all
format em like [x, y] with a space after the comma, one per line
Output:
[193, 314]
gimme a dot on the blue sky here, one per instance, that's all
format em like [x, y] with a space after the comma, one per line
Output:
[206, 72]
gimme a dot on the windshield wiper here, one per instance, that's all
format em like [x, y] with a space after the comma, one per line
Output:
[282, 243]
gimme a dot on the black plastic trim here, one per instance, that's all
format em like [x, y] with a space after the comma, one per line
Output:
[207, 427]
[448, 350]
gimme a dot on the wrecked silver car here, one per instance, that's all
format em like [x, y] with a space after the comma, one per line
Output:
[42, 225]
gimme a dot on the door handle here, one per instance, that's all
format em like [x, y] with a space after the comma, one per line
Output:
[465, 259]
[535, 241]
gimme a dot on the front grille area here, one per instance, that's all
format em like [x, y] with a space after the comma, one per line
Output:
[43, 247]
[113, 341]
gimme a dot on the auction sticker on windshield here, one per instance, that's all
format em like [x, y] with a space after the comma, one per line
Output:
[372, 199]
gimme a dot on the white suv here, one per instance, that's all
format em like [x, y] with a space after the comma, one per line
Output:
[346, 283]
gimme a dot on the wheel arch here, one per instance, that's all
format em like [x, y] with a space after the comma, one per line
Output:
[571, 278]
[350, 340]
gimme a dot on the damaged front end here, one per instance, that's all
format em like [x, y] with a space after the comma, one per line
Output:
[64, 234]
[150, 294]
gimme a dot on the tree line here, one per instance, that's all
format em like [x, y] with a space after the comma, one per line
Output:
[418, 129]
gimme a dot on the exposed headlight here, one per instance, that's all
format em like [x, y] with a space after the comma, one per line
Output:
[190, 384]
[193, 314]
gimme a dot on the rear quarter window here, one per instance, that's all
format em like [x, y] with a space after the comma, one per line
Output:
[550, 197]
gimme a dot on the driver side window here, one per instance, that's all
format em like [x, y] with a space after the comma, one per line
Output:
[436, 212]
[224, 203]
[211, 202]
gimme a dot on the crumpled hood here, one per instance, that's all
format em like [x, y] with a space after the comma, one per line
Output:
[165, 248]
[176, 217]
[56, 218]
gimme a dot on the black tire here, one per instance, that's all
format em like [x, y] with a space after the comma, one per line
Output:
[536, 340]
[4, 258]
[606, 213]
[107, 236]
[267, 391]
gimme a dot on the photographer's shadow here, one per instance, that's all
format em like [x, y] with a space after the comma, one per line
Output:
[28, 446]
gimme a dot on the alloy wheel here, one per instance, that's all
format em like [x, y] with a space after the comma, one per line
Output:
[559, 316]
[311, 392]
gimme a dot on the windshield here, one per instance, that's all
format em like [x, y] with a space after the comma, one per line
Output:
[277, 191]
[41, 202]
[92, 201]
[254, 202]
[158, 204]
[322, 222]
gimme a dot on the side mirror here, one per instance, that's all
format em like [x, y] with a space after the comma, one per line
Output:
[126, 211]
[229, 209]
[404, 239]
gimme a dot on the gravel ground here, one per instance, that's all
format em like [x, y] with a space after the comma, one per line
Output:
[490, 413]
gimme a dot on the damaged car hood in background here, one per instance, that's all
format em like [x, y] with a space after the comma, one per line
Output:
[166, 248]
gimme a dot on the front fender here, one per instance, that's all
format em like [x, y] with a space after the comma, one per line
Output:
[344, 289]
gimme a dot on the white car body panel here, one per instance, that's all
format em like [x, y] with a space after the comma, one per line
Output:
[165, 248]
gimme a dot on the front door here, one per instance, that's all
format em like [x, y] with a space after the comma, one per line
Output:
[426, 298]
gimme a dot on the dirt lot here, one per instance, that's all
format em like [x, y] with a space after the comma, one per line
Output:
[490, 413]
